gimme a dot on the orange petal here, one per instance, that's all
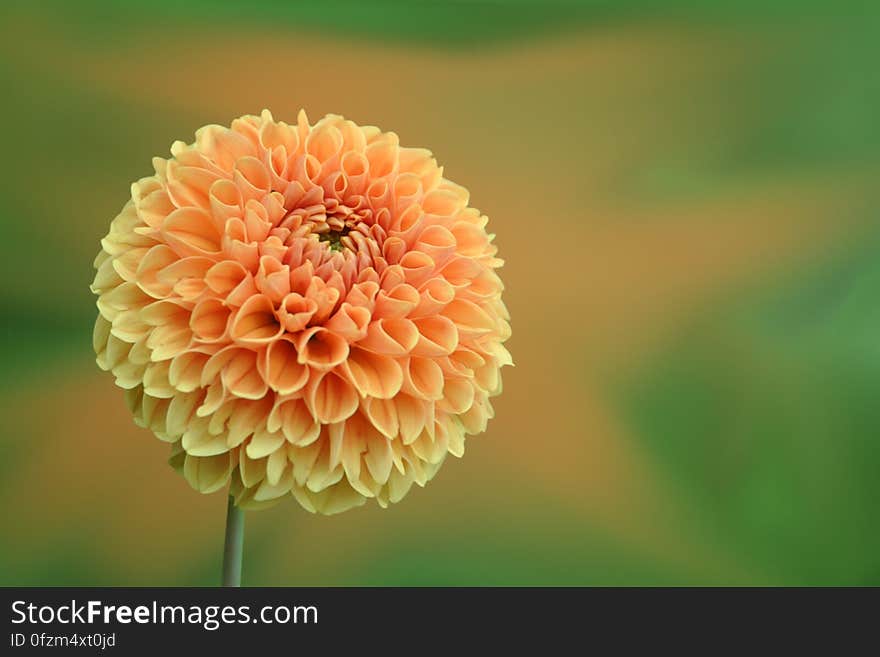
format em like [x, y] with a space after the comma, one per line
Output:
[469, 318]
[321, 349]
[225, 199]
[255, 322]
[395, 337]
[331, 398]
[251, 177]
[273, 279]
[412, 416]
[188, 185]
[297, 423]
[458, 396]
[282, 371]
[424, 378]
[383, 415]
[210, 320]
[435, 295]
[296, 311]
[437, 242]
[191, 232]
[186, 370]
[373, 374]
[417, 267]
[437, 336]
[325, 297]
[241, 377]
[350, 322]
[397, 302]
[225, 276]
[156, 259]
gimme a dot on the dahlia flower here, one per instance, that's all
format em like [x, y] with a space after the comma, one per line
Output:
[302, 309]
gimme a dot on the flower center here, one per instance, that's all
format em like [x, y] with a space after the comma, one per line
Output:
[334, 237]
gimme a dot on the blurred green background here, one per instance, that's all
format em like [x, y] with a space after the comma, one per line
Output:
[687, 200]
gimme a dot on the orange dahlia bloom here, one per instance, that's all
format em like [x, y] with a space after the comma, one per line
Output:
[302, 309]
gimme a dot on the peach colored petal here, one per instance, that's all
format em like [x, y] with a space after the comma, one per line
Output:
[321, 348]
[190, 232]
[383, 415]
[296, 422]
[397, 302]
[255, 322]
[186, 370]
[437, 336]
[423, 377]
[411, 417]
[273, 279]
[209, 320]
[469, 318]
[395, 337]
[282, 370]
[350, 322]
[225, 276]
[373, 374]
[435, 295]
[331, 398]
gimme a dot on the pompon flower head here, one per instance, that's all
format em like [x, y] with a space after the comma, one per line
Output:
[302, 309]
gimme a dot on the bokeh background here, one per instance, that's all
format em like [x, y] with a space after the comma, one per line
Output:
[687, 201]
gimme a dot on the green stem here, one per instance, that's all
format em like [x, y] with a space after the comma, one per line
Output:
[232, 549]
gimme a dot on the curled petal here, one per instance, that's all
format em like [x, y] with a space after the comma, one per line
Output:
[443, 202]
[325, 298]
[320, 348]
[417, 267]
[437, 336]
[350, 322]
[458, 396]
[331, 398]
[435, 295]
[251, 178]
[155, 260]
[459, 272]
[412, 417]
[273, 279]
[282, 370]
[255, 322]
[423, 378]
[207, 474]
[295, 421]
[295, 312]
[373, 374]
[264, 443]
[469, 318]
[225, 200]
[238, 372]
[185, 274]
[186, 370]
[437, 242]
[397, 302]
[395, 337]
[191, 232]
[383, 415]
[209, 320]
